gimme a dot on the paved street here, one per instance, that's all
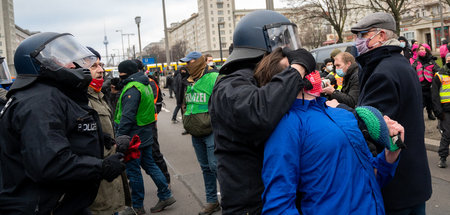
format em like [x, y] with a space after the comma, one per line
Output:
[187, 180]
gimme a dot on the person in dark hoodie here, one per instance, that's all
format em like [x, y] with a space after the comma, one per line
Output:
[243, 115]
[405, 46]
[440, 88]
[389, 83]
[135, 114]
[426, 67]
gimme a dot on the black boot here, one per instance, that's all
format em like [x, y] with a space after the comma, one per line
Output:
[430, 116]
[442, 163]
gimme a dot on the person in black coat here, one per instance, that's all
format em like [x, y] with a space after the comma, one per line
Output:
[169, 84]
[180, 84]
[405, 46]
[390, 84]
[345, 63]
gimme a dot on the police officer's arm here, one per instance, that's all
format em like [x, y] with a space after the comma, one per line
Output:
[46, 151]
[130, 105]
[435, 97]
[253, 112]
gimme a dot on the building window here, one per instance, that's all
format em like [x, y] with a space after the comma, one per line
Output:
[221, 19]
[229, 18]
[213, 32]
[219, 5]
[212, 25]
[409, 35]
[212, 19]
[210, 5]
[1, 51]
[224, 45]
[228, 11]
[222, 32]
[221, 25]
[214, 45]
[229, 25]
[231, 38]
[214, 38]
[212, 12]
[231, 31]
[223, 39]
[220, 12]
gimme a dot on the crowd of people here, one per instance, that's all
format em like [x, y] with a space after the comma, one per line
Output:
[279, 136]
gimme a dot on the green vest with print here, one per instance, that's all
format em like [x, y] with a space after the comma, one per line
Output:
[197, 95]
[146, 111]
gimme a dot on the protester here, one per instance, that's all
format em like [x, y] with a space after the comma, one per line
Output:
[426, 67]
[57, 173]
[405, 46]
[443, 50]
[415, 54]
[389, 83]
[111, 195]
[243, 115]
[329, 67]
[347, 68]
[329, 171]
[134, 115]
[209, 61]
[180, 82]
[198, 123]
[440, 89]
[169, 84]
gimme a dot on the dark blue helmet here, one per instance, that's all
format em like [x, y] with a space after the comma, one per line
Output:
[23, 61]
[261, 32]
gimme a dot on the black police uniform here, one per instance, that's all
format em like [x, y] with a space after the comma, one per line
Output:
[50, 153]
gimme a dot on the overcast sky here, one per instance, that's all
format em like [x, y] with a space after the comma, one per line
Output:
[87, 20]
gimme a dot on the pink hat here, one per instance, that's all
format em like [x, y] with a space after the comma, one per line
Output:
[414, 47]
[426, 46]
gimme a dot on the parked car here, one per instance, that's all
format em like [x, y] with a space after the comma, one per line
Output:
[322, 53]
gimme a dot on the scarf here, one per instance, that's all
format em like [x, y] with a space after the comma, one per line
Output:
[96, 84]
[196, 69]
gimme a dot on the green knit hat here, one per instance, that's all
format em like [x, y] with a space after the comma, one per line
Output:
[376, 126]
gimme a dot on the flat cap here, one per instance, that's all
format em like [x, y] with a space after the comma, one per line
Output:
[375, 20]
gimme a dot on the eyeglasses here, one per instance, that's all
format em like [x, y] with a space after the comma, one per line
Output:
[95, 65]
[361, 34]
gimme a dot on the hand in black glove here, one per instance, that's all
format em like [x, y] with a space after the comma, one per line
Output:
[108, 141]
[301, 57]
[123, 142]
[112, 167]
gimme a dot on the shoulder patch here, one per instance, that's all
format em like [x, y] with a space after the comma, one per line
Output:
[129, 96]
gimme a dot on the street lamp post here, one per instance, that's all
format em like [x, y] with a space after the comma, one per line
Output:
[220, 41]
[129, 47]
[121, 36]
[138, 21]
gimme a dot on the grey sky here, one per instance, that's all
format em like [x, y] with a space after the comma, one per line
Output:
[87, 19]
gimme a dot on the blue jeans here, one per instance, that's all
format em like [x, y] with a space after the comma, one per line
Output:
[136, 181]
[204, 149]
[418, 209]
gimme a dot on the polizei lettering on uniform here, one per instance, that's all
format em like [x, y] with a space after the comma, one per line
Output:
[83, 127]
[196, 97]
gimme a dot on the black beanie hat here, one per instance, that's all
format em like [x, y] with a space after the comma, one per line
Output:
[94, 52]
[139, 64]
[128, 66]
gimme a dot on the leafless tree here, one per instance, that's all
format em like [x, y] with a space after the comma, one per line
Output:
[395, 7]
[333, 11]
[157, 53]
[178, 50]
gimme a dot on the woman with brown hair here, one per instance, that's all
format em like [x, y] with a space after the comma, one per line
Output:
[270, 65]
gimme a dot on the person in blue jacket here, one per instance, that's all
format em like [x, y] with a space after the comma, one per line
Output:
[328, 171]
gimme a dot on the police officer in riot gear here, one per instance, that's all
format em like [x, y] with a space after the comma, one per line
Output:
[243, 115]
[51, 143]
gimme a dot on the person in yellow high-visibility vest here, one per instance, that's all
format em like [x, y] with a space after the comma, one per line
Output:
[440, 96]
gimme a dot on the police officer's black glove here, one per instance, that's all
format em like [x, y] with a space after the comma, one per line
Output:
[112, 167]
[123, 142]
[301, 57]
[108, 141]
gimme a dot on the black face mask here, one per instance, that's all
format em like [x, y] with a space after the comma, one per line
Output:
[448, 65]
[123, 77]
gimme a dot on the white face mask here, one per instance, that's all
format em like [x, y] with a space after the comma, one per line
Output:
[211, 64]
[330, 68]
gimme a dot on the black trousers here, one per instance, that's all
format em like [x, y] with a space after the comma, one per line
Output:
[426, 97]
[445, 139]
[157, 155]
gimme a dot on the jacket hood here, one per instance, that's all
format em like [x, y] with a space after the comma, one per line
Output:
[139, 77]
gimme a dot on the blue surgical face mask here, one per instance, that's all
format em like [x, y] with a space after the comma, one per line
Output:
[402, 44]
[340, 72]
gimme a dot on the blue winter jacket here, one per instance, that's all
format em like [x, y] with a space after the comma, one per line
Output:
[320, 154]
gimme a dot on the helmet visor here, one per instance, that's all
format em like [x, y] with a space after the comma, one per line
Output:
[283, 35]
[5, 77]
[65, 51]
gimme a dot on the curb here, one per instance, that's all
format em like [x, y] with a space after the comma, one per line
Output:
[432, 145]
